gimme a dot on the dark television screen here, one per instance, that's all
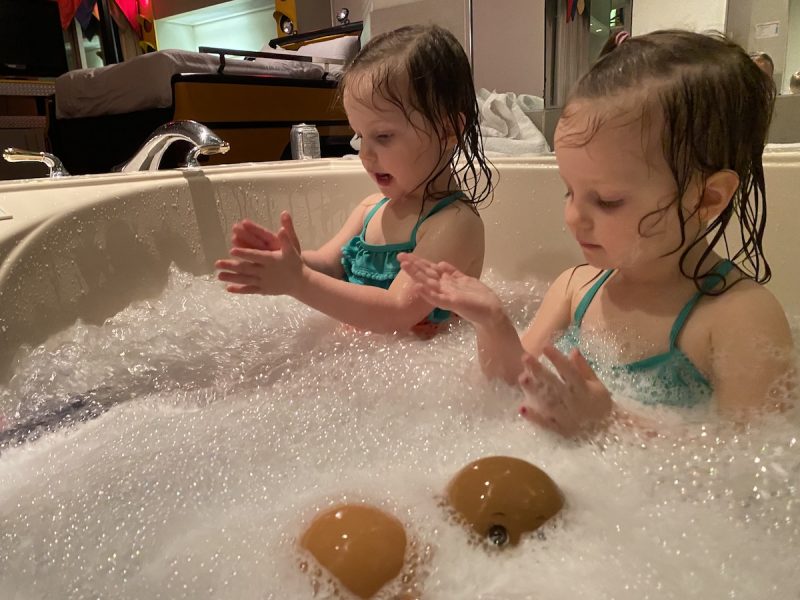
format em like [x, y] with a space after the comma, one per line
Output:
[31, 42]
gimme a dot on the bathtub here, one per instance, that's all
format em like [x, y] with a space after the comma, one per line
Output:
[207, 460]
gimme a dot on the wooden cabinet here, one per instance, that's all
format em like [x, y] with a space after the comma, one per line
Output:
[24, 109]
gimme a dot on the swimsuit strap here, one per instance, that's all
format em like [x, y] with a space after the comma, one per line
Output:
[446, 201]
[716, 275]
[371, 214]
[589, 296]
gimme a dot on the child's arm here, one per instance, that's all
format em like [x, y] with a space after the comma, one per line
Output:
[443, 285]
[752, 350]
[458, 237]
[500, 348]
[326, 259]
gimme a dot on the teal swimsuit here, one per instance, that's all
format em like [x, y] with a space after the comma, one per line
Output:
[377, 265]
[669, 378]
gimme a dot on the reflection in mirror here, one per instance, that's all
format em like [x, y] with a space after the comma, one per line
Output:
[772, 27]
[575, 33]
[791, 80]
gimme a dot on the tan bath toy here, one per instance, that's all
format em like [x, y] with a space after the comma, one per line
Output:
[501, 498]
[361, 546]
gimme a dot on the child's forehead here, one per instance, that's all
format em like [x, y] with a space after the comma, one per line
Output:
[366, 104]
[623, 126]
[379, 87]
[369, 99]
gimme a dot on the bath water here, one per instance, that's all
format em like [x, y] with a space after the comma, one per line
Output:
[225, 422]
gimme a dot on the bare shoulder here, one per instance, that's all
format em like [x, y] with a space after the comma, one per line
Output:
[753, 309]
[369, 201]
[456, 219]
[573, 282]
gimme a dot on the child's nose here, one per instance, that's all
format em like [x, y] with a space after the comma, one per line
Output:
[366, 152]
[576, 215]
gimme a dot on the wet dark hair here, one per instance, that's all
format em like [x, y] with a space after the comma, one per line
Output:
[763, 56]
[428, 61]
[716, 106]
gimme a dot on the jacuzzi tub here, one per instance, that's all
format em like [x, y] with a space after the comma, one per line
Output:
[232, 420]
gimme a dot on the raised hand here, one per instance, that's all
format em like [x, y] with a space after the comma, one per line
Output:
[273, 269]
[444, 286]
[572, 402]
[247, 234]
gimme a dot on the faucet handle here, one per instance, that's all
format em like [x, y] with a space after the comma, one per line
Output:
[18, 155]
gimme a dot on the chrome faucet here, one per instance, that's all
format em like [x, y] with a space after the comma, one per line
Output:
[203, 140]
[18, 155]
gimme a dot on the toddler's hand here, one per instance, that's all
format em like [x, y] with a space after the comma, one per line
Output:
[572, 402]
[273, 270]
[444, 286]
[247, 234]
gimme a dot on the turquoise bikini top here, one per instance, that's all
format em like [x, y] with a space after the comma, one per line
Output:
[377, 265]
[669, 378]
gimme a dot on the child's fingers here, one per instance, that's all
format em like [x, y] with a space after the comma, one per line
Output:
[538, 371]
[433, 296]
[243, 238]
[252, 227]
[288, 225]
[446, 267]
[530, 414]
[582, 366]
[252, 255]
[289, 245]
[237, 288]
[408, 257]
[241, 267]
[420, 274]
[240, 278]
[565, 368]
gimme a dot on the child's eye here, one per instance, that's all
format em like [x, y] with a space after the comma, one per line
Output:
[383, 137]
[609, 204]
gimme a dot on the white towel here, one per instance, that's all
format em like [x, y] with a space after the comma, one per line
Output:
[506, 129]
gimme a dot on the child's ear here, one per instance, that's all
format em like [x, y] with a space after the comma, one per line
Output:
[717, 193]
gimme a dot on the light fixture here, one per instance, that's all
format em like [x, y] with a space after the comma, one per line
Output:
[342, 15]
[286, 25]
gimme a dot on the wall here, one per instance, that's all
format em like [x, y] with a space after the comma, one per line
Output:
[451, 14]
[359, 9]
[650, 15]
[792, 63]
[745, 15]
[246, 32]
[175, 35]
[250, 30]
[518, 24]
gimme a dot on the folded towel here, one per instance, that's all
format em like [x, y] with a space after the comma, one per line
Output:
[506, 129]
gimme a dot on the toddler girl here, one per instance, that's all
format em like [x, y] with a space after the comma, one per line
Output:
[410, 98]
[660, 149]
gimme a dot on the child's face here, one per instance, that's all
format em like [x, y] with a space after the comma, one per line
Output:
[399, 155]
[614, 183]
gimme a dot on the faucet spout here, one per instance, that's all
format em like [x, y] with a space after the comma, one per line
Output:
[50, 160]
[203, 141]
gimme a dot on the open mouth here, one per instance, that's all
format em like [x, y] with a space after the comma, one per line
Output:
[383, 178]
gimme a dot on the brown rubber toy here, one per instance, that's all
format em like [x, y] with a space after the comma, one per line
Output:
[501, 498]
[361, 546]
